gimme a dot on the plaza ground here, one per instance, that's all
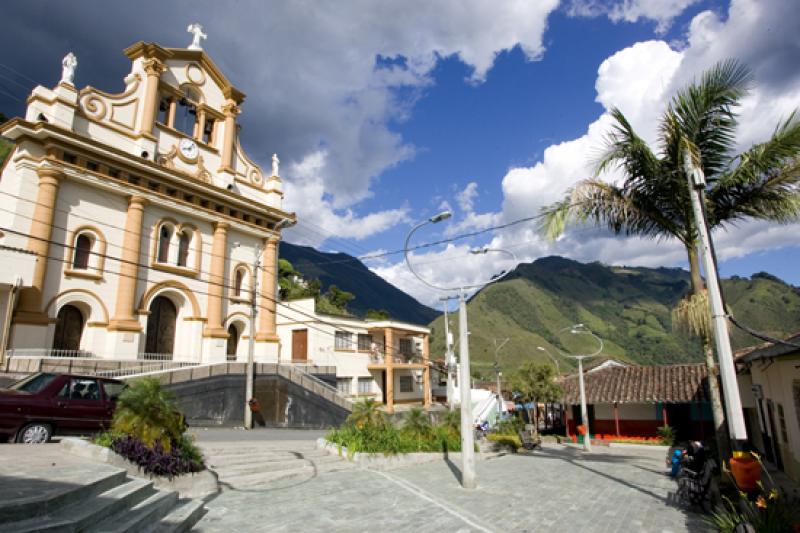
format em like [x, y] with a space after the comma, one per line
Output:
[559, 488]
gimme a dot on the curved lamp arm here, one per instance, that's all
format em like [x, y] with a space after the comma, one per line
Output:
[444, 215]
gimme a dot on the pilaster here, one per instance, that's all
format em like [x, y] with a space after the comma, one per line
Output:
[124, 311]
[266, 298]
[216, 282]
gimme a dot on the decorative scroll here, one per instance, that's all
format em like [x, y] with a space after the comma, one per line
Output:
[95, 104]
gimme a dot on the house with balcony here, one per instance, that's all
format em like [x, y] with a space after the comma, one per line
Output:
[385, 360]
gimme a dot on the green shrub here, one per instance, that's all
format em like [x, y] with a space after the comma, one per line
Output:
[505, 439]
[107, 438]
[510, 426]
[146, 412]
[368, 432]
[667, 435]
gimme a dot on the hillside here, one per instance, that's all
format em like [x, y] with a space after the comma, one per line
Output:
[630, 308]
[350, 274]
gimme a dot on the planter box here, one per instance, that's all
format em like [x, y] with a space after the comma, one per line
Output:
[380, 461]
[196, 485]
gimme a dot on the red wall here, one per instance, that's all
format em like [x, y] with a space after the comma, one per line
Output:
[640, 428]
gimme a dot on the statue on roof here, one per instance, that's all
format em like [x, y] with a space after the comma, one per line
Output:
[275, 164]
[68, 66]
[197, 34]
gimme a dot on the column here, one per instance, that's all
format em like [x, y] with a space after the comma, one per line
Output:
[30, 310]
[266, 298]
[125, 308]
[230, 109]
[426, 374]
[216, 282]
[616, 417]
[153, 68]
[388, 358]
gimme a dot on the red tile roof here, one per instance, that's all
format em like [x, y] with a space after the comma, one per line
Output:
[640, 384]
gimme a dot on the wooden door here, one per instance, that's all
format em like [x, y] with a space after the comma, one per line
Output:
[161, 326]
[300, 345]
[69, 328]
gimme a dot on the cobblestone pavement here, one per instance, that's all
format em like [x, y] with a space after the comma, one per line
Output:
[558, 489]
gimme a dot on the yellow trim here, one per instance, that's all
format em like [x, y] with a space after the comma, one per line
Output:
[100, 253]
[79, 291]
[169, 284]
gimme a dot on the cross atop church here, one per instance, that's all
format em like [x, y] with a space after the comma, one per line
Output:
[197, 34]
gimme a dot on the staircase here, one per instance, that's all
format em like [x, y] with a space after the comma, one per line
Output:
[44, 489]
[265, 465]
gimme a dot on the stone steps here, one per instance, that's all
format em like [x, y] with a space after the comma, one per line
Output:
[46, 490]
[249, 466]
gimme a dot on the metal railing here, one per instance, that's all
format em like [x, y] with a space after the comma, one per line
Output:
[45, 353]
[144, 369]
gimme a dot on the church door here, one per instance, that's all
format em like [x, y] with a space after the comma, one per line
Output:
[233, 342]
[161, 326]
[69, 328]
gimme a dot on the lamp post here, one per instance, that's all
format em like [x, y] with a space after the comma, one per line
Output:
[580, 329]
[467, 435]
[251, 341]
[450, 363]
[727, 369]
[552, 358]
[498, 374]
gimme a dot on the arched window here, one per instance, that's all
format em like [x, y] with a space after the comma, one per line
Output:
[69, 328]
[237, 284]
[164, 237]
[183, 247]
[83, 245]
[233, 343]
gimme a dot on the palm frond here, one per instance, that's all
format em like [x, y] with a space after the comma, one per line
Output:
[704, 112]
[765, 182]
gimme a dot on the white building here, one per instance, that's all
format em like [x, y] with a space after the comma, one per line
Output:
[143, 215]
[381, 359]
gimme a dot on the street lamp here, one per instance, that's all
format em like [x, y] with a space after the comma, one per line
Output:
[467, 436]
[498, 375]
[555, 361]
[580, 329]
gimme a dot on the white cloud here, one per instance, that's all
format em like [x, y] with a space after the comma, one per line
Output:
[640, 80]
[660, 11]
[466, 197]
[310, 71]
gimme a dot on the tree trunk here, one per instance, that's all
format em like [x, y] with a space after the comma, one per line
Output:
[720, 430]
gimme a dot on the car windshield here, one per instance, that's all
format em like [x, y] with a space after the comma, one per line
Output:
[34, 383]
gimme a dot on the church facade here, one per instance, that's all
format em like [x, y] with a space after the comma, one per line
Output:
[138, 218]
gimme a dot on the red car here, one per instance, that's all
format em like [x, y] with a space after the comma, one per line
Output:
[45, 404]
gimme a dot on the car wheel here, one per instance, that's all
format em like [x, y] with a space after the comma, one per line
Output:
[36, 433]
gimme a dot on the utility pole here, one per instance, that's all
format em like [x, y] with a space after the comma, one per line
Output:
[730, 386]
[251, 341]
[449, 357]
[587, 440]
[467, 431]
[498, 374]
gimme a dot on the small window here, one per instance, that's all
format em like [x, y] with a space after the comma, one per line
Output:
[406, 346]
[84, 389]
[183, 248]
[406, 384]
[70, 158]
[163, 110]
[34, 383]
[163, 244]
[343, 340]
[364, 342]
[113, 172]
[343, 385]
[92, 165]
[208, 131]
[83, 245]
[237, 284]
[365, 385]
[113, 389]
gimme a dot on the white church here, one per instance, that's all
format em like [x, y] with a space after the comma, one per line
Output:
[131, 222]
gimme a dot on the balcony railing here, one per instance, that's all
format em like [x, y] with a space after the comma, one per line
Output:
[397, 359]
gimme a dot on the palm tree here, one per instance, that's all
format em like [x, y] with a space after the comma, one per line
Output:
[653, 200]
[367, 413]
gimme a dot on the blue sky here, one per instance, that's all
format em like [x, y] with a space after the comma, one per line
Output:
[384, 113]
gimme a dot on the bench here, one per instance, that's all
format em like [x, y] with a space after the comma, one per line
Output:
[530, 439]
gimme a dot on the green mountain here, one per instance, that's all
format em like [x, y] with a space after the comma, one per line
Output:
[628, 307]
[349, 274]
